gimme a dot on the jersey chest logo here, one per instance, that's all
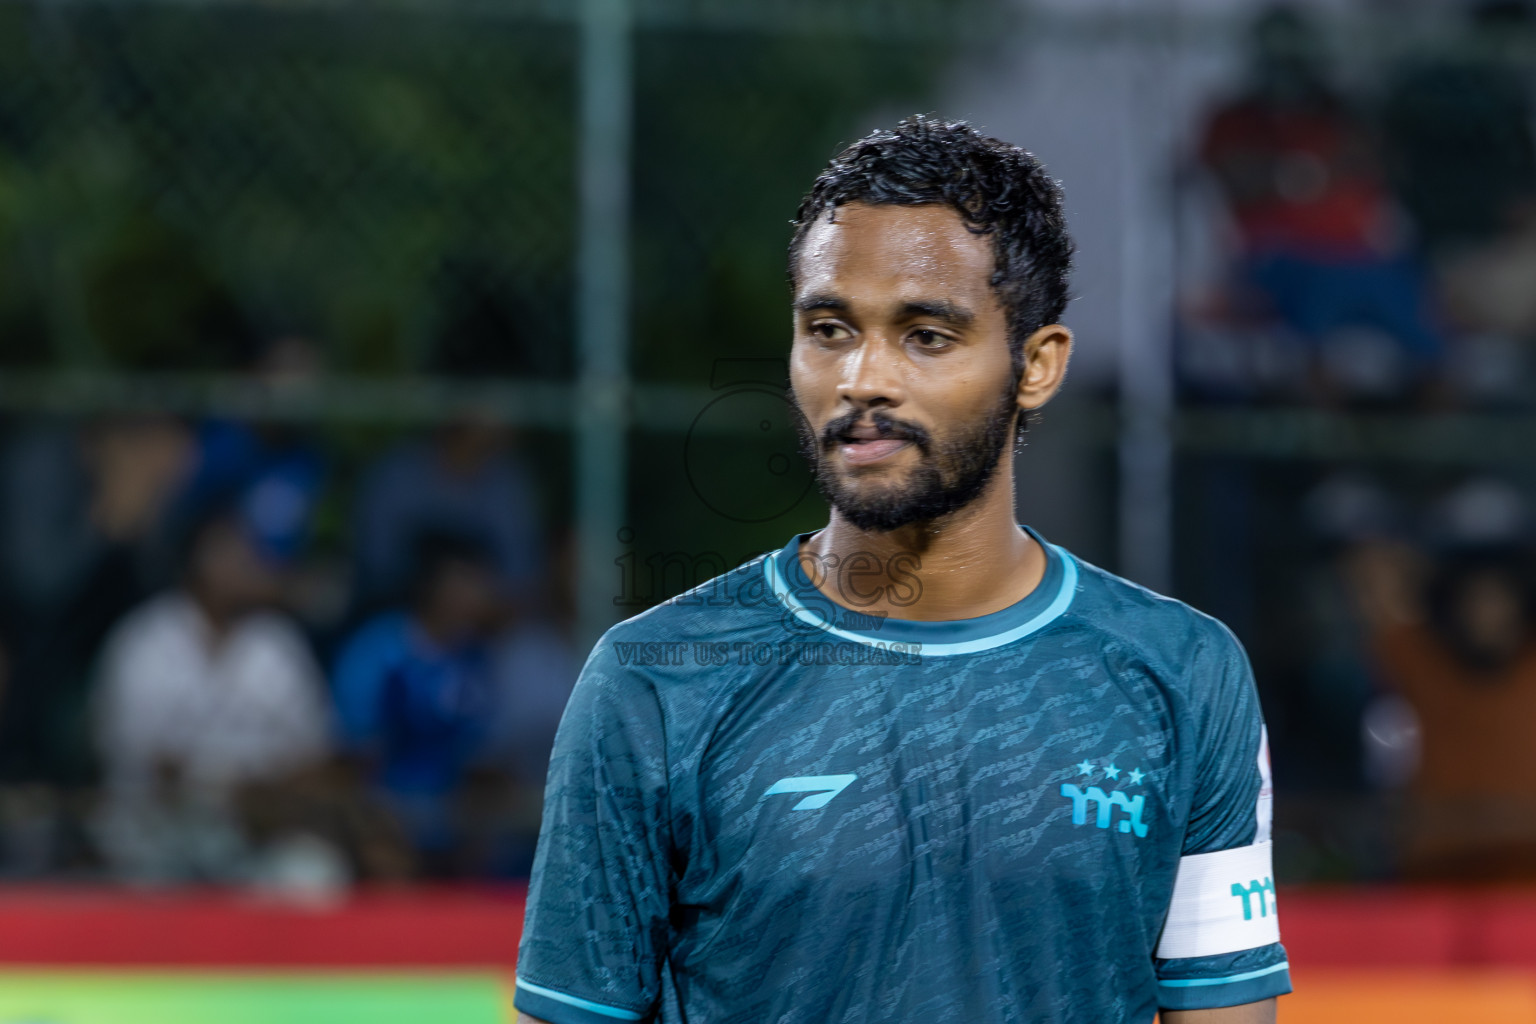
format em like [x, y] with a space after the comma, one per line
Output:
[1130, 805]
[821, 787]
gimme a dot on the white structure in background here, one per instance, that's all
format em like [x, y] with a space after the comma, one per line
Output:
[1111, 95]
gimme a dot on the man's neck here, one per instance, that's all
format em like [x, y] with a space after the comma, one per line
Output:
[217, 619]
[971, 563]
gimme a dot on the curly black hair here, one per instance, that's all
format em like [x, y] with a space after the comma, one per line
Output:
[998, 189]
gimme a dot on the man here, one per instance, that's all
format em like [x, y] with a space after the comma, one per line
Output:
[206, 695]
[920, 765]
[415, 694]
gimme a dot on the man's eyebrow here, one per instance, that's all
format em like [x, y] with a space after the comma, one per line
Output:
[938, 309]
[811, 303]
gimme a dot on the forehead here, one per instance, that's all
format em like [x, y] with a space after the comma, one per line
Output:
[894, 247]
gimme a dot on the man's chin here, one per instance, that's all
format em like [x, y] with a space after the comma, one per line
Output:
[870, 519]
[875, 509]
[871, 492]
[906, 499]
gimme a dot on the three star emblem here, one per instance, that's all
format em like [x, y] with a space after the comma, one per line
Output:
[1111, 771]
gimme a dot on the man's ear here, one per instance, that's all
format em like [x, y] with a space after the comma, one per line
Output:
[1045, 365]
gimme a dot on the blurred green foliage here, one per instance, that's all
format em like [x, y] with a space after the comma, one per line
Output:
[399, 180]
[179, 181]
[175, 179]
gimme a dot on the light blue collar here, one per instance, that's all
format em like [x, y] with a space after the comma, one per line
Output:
[789, 583]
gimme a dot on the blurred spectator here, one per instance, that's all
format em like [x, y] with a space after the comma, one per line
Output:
[84, 537]
[272, 471]
[1458, 641]
[203, 691]
[462, 481]
[1321, 246]
[415, 694]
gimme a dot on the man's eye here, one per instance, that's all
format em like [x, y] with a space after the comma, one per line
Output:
[831, 332]
[930, 339]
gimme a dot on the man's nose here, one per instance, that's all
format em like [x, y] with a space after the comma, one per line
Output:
[872, 374]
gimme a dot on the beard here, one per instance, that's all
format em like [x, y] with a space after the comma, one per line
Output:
[952, 472]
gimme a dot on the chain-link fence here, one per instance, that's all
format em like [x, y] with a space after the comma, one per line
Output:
[298, 268]
[316, 241]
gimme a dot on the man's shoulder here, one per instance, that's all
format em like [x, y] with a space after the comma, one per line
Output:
[1160, 626]
[677, 657]
[383, 638]
[166, 618]
[730, 601]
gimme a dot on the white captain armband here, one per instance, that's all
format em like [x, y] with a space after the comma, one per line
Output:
[1222, 903]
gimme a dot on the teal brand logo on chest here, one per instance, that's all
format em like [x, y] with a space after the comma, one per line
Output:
[1130, 806]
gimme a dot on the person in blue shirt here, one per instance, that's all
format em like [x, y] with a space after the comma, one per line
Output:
[273, 471]
[464, 478]
[415, 691]
[920, 765]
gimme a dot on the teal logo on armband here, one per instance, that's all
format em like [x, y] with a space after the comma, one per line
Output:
[1265, 891]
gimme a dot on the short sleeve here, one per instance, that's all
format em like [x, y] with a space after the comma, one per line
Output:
[1220, 944]
[594, 939]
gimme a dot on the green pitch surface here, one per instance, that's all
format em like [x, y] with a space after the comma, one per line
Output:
[165, 997]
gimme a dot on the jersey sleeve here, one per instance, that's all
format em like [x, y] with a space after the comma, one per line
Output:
[594, 936]
[1220, 944]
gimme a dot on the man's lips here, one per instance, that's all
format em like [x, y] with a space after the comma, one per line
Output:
[860, 452]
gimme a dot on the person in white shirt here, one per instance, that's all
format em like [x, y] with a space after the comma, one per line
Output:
[205, 689]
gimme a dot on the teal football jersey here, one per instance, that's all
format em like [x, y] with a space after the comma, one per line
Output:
[763, 806]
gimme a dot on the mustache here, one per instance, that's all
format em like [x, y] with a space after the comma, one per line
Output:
[837, 431]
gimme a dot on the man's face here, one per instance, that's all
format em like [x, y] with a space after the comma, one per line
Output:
[900, 363]
[462, 597]
[229, 572]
